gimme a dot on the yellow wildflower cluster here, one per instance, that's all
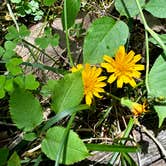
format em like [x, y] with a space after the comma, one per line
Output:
[123, 67]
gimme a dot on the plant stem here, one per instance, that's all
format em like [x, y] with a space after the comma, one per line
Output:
[67, 35]
[12, 15]
[26, 42]
[147, 62]
[153, 138]
[125, 135]
[147, 28]
[113, 96]
[64, 140]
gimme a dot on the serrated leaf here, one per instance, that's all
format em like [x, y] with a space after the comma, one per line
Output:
[14, 160]
[104, 37]
[75, 149]
[161, 111]
[157, 8]
[157, 79]
[31, 83]
[4, 152]
[49, 2]
[25, 109]
[70, 95]
[73, 7]
[2, 84]
[128, 7]
[13, 66]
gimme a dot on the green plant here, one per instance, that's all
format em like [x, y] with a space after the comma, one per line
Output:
[84, 85]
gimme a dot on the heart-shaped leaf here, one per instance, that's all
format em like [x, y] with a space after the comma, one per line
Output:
[104, 37]
[75, 150]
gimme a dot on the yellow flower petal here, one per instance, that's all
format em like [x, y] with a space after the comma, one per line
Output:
[132, 83]
[92, 82]
[108, 67]
[139, 67]
[112, 78]
[120, 82]
[137, 58]
[123, 67]
[88, 99]
[108, 58]
[120, 53]
[102, 78]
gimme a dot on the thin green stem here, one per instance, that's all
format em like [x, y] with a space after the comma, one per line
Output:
[147, 62]
[64, 139]
[113, 96]
[12, 15]
[147, 28]
[26, 42]
[67, 35]
[125, 135]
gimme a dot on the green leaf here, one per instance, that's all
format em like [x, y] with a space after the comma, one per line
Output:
[9, 85]
[157, 8]
[112, 148]
[157, 79]
[161, 111]
[31, 83]
[48, 89]
[29, 136]
[49, 2]
[1, 51]
[4, 152]
[104, 37]
[162, 37]
[19, 80]
[13, 66]
[128, 7]
[25, 109]
[70, 95]
[24, 31]
[2, 84]
[72, 9]
[63, 114]
[14, 160]
[42, 42]
[54, 41]
[15, 1]
[12, 33]
[74, 151]
[9, 45]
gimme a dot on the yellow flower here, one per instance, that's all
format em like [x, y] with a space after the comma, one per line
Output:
[138, 109]
[123, 67]
[76, 68]
[92, 81]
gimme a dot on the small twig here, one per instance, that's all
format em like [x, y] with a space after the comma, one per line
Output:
[12, 15]
[34, 149]
[153, 138]
[96, 139]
